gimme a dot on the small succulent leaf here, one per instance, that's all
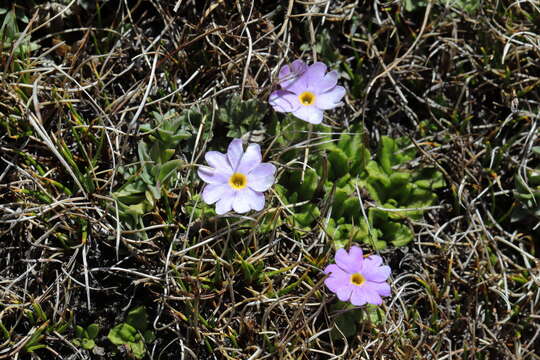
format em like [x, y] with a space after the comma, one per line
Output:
[376, 173]
[138, 318]
[87, 344]
[137, 349]
[136, 209]
[309, 214]
[150, 197]
[168, 169]
[387, 147]
[360, 160]
[92, 330]
[79, 331]
[351, 207]
[345, 182]
[143, 152]
[337, 206]
[166, 155]
[339, 164]
[374, 314]
[149, 336]
[398, 179]
[122, 334]
[398, 234]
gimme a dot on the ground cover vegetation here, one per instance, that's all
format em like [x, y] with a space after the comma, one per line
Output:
[429, 171]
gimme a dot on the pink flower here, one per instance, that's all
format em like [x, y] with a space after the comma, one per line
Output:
[236, 180]
[357, 279]
[307, 91]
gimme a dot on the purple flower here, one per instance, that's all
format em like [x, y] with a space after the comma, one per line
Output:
[307, 91]
[357, 279]
[237, 179]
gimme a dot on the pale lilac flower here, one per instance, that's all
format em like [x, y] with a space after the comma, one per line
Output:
[236, 180]
[357, 279]
[307, 91]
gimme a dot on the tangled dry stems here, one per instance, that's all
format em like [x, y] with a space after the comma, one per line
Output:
[466, 288]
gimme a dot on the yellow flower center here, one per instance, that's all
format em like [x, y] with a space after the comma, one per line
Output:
[357, 279]
[307, 98]
[238, 181]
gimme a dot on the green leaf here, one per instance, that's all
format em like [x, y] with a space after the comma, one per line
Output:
[149, 336]
[376, 173]
[144, 153]
[92, 330]
[398, 234]
[398, 179]
[79, 331]
[310, 212]
[374, 314]
[87, 344]
[168, 169]
[346, 325]
[305, 189]
[136, 209]
[351, 207]
[137, 349]
[122, 334]
[131, 192]
[339, 164]
[138, 318]
[387, 147]
[337, 206]
[240, 116]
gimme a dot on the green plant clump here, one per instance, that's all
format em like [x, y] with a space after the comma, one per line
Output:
[350, 175]
[527, 193]
[147, 181]
[85, 337]
[133, 334]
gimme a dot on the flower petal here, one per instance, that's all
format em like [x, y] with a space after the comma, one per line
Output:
[344, 293]
[212, 176]
[373, 261]
[337, 279]
[215, 192]
[330, 99]
[261, 177]
[217, 160]
[224, 204]
[289, 73]
[328, 82]
[314, 75]
[284, 101]
[242, 201]
[350, 263]
[371, 295]
[356, 252]
[250, 160]
[357, 297]
[376, 273]
[256, 199]
[372, 270]
[381, 288]
[234, 153]
[311, 114]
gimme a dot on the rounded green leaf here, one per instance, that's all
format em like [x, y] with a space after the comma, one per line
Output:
[92, 330]
[87, 344]
[122, 334]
